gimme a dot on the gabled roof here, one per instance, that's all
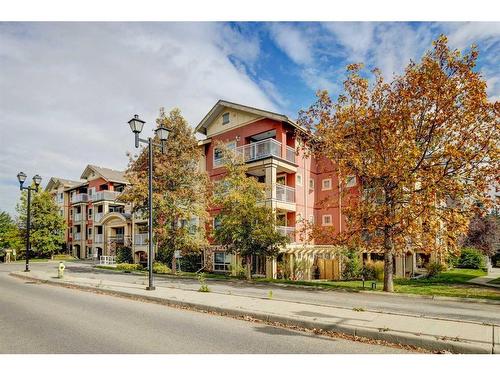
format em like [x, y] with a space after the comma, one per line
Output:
[106, 173]
[54, 182]
[220, 106]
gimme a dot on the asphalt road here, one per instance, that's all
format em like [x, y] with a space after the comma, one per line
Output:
[477, 312]
[37, 318]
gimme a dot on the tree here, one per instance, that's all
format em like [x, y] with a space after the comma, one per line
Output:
[484, 234]
[424, 148]
[179, 188]
[47, 225]
[247, 226]
[9, 233]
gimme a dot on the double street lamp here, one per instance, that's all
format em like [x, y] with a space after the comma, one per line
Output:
[136, 125]
[21, 177]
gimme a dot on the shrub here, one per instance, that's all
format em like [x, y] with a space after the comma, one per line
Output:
[471, 258]
[124, 255]
[352, 265]
[238, 270]
[159, 267]
[203, 283]
[434, 269]
[374, 270]
[63, 257]
[127, 267]
[190, 262]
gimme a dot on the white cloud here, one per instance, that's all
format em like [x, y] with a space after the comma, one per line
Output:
[464, 34]
[68, 89]
[292, 41]
[356, 37]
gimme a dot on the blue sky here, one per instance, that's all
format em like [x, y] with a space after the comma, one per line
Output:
[68, 89]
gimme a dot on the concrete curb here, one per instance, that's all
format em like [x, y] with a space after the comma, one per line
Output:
[425, 342]
[343, 290]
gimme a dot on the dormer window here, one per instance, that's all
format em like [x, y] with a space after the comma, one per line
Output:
[225, 118]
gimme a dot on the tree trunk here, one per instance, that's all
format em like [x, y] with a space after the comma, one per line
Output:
[174, 263]
[249, 267]
[388, 268]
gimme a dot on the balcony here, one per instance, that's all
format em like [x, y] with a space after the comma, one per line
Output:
[77, 217]
[77, 236]
[141, 239]
[118, 238]
[285, 193]
[98, 216]
[104, 196]
[79, 198]
[287, 231]
[98, 238]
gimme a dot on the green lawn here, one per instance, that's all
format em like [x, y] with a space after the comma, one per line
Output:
[451, 283]
[31, 260]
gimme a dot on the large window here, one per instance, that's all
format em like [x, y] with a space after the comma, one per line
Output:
[218, 156]
[222, 261]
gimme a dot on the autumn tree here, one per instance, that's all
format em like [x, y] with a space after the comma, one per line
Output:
[47, 225]
[179, 188]
[246, 226]
[424, 148]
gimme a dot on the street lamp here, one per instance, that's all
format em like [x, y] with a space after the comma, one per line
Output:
[136, 125]
[21, 177]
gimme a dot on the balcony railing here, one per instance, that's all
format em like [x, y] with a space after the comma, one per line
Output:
[118, 238]
[98, 238]
[104, 196]
[98, 216]
[287, 231]
[285, 193]
[77, 217]
[259, 150]
[107, 260]
[290, 154]
[77, 236]
[78, 198]
[141, 239]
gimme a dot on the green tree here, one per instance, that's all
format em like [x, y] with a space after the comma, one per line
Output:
[10, 237]
[47, 225]
[247, 226]
[180, 189]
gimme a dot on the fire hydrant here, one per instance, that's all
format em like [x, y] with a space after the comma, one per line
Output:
[60, 270]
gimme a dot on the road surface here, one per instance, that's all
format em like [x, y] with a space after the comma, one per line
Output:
[38, 318]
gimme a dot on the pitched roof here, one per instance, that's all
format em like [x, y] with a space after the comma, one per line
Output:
[106, 173]
[54, 182]
[218, 108]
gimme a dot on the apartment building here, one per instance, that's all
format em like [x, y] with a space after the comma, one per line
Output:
[98, 223]
[300, 188]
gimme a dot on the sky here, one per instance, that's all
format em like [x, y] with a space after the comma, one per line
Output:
[68, 89]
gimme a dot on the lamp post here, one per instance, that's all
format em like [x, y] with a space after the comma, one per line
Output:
[21, 177]
[136, 125]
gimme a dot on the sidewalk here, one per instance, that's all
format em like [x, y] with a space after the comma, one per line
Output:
[429, 333]
[494, 273]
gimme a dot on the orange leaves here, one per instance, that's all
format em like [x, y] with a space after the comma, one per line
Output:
[429, 136]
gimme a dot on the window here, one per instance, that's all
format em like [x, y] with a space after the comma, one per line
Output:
[218, 156]
[222, 261]
[326, 184]
[225, 118]
[299, 179]
[217, 222]
[351, 181]
[311, 184]
[327, 219]
[90, 232]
